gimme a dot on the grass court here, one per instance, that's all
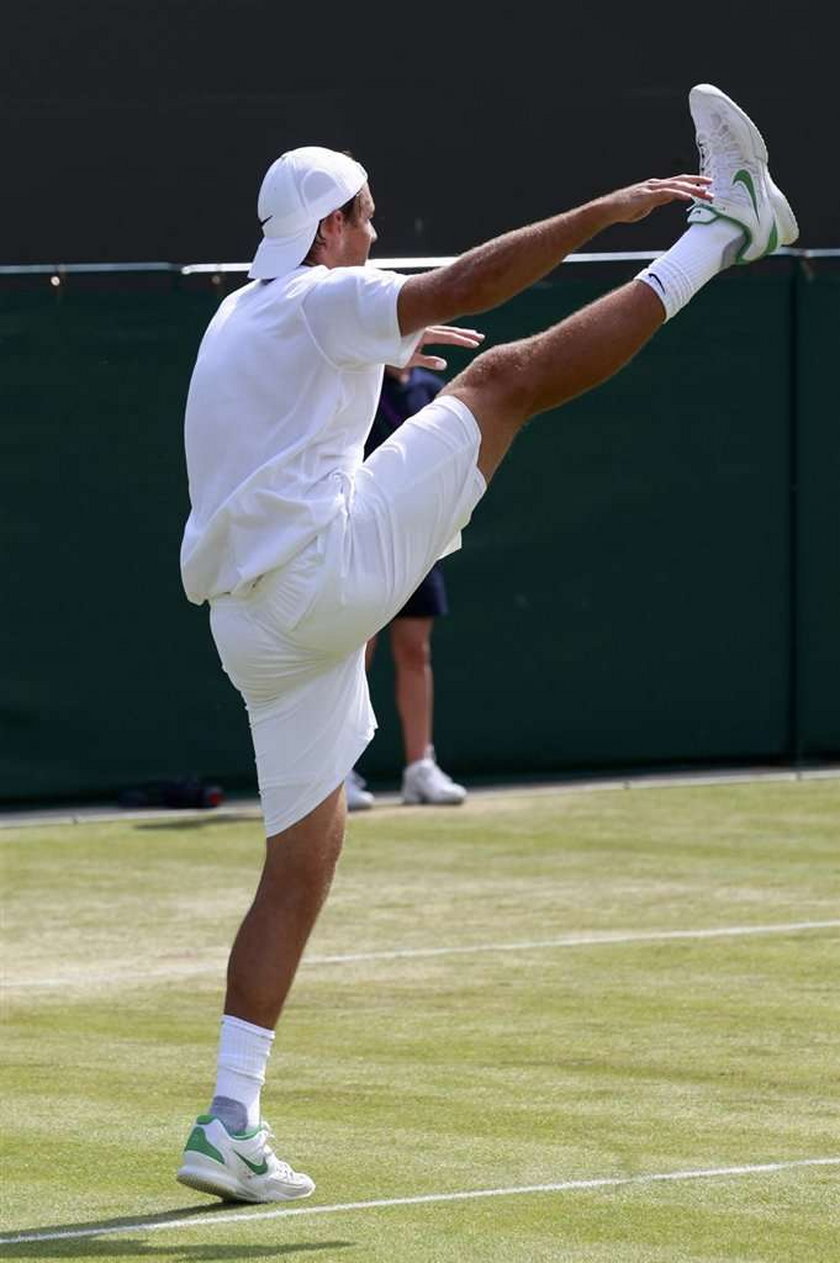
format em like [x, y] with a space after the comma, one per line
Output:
[592, 1024]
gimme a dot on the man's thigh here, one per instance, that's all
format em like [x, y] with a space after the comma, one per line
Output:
[409, 502]
[309, 713]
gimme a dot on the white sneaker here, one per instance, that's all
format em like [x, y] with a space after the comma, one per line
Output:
[733, 154]
[358, 798]
[238, 1166]
[425, 782]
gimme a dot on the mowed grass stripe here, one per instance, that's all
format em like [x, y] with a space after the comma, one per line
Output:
[606, 939]
[423, 1199]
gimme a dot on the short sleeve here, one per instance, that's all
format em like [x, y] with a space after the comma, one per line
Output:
[352, 315]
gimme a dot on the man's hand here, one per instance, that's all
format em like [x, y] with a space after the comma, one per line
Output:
[625, 206]
[448, 336]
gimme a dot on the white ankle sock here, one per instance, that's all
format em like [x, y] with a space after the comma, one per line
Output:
[701, 252]
[244, 1050]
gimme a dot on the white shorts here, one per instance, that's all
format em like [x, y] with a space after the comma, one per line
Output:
[294, 644]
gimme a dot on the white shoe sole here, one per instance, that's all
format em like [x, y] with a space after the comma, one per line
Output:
[786, 225]
[206, 1176]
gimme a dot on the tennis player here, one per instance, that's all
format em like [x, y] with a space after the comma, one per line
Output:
[304, 550]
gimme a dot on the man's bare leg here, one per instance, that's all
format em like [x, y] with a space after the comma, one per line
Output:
[297, 873]
[296, 877]
[507, 385]
[228, 1152]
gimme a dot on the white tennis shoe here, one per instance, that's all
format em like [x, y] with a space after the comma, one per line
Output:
[425, 782]
[238, 1166]
[358, 798]
[733, 154]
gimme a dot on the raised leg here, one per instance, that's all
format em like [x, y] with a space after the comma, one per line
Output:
[508, 384]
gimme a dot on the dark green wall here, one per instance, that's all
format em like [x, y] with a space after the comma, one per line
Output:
[653, 578]
[109, 676]
[817, 453]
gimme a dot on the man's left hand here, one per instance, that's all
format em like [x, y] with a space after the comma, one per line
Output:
[446, 335]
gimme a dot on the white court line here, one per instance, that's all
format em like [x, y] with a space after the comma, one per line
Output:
[424, 1199]
[606, 939]
[578, 940]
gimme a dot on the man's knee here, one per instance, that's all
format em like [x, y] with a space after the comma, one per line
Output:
[309, 849]
[298, 876]
[498, 386]
[498, 392]
[410, 643]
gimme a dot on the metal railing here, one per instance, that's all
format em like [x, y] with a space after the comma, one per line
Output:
[399, 263]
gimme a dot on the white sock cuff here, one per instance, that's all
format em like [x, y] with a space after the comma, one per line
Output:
[244, 1049]
[700, 253]
[248, 1028]
[656, 284]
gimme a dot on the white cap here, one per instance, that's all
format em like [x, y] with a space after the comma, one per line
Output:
[299, 190]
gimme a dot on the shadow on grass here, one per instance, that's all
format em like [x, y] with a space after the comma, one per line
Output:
[200, 822]
[100, 1242]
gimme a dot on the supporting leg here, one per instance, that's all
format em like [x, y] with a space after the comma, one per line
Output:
[228, 1152]
[296, 878]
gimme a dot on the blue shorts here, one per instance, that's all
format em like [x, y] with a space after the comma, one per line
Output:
[429, 600]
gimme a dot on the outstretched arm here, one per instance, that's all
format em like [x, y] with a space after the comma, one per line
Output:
[491, 273]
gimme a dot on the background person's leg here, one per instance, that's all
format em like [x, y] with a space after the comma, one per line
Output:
[423, 781]
[411, 651]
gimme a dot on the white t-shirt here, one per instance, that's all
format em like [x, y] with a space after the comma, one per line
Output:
[280, 403]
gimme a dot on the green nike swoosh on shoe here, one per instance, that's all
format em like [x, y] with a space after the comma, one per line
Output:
[258, 1168]
[744, 177]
